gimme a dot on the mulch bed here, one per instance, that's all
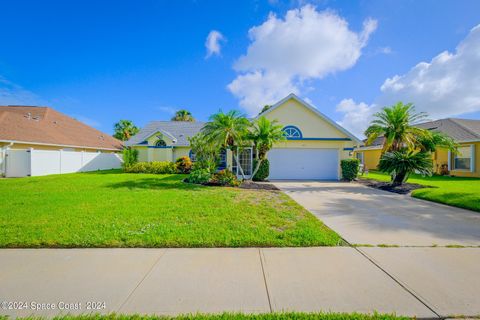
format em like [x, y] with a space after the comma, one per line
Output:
[405, 188]
[258, 186]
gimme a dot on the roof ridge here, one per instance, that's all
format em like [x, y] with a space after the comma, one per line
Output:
[464, 127]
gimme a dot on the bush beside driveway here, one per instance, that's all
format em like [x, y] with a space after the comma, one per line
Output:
[114, 209]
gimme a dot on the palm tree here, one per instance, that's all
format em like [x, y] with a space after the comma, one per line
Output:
[395, 125]
[228, 130]
[264, 134]
[124, 130]
[399, 164]
[183, 115]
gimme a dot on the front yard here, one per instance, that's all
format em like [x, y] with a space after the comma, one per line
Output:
[454, 191]
[114, 209]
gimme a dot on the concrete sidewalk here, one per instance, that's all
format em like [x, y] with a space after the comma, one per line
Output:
[422, 282]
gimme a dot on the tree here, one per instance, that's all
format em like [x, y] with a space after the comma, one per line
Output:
[265, 108]
[400, 164]
[183, 115]
[264, 134]
[434, 140]
[228, 130]
[395, 125]
[124, 130]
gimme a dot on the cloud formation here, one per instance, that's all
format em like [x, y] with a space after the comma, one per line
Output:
[447, 86]
[284, 52]
[13, 94]
[212, 44]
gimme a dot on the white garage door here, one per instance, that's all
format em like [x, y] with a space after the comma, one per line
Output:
[303, 164]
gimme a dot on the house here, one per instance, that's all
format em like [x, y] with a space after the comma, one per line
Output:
[314, 147]
[46, 132]
[466, 163]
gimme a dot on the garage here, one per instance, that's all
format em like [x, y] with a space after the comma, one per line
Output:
[290, 163]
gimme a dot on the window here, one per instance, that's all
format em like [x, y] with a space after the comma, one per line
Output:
[223, 159]
[292, 132]
[463, 159]
[359, 156]
[160, 143]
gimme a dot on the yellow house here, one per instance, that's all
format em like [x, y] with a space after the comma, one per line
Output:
[314, 147]
[466, 163]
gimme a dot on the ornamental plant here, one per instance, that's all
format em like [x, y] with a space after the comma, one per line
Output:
[349, 169]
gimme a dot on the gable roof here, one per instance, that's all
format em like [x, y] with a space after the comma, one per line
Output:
[314, 110]
[44, 125]
[178, 131]
[461, 130]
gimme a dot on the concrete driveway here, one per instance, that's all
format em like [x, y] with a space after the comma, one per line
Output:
[363, 215]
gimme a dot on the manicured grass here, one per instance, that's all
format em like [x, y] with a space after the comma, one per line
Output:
[454, 191]
[233, 316]
[114, 209]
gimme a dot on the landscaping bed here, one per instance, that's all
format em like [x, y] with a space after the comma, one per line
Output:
[405, 188]
[258, 186]
[115, 209]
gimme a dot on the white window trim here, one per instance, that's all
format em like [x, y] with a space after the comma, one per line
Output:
[362, 160]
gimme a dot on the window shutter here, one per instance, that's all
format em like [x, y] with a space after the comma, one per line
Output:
[472, 158]
[449, 160]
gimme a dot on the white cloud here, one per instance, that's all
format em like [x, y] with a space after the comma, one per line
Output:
[168, 110]
[446, 86]
[213, 43]
[305, 44]
[356, 116]
[13, 94]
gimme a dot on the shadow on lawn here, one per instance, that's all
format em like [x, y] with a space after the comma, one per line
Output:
[160, 183]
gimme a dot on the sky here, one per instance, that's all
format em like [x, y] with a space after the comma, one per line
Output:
[102, 61]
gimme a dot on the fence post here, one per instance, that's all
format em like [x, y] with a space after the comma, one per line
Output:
[61, 156]
[30, 151]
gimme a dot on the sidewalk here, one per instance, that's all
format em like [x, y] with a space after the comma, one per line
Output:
[422, 282]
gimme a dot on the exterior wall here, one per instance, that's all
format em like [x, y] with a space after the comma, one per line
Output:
[371, 158]
[142, 154]
[180, 152]
[160, 154]
[312, 126]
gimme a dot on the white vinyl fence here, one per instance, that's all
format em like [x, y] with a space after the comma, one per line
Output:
[21, 163]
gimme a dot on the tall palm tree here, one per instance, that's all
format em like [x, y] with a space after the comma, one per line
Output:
[264, 134]
[183, 115]
[228, 130]
[395, 125]
[124, 130]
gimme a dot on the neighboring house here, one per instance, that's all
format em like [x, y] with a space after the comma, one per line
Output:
[24, 129]
[314, 147]
[464, 164]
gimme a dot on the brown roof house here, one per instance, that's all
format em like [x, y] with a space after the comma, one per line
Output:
[30, 128]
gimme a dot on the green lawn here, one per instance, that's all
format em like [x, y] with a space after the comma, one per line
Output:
[454, 191]
[232, 316]
[114, 209]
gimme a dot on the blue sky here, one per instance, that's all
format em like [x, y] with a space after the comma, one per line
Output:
[101, 61]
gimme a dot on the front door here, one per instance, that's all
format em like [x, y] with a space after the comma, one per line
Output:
[246, 162]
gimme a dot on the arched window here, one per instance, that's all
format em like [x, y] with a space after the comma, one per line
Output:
[160, 143]
[292, 132]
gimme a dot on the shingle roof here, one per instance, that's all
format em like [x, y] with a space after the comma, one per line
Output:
[46, 126]
[461, 130]
[180, 130]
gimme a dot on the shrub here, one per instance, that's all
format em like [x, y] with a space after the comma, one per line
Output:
[130, 157]
[157, 167]
[263, 172]
[162, 167]
[199, 176]
[400, 164]
[183, 164]
[349, 169]
[225, 178]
